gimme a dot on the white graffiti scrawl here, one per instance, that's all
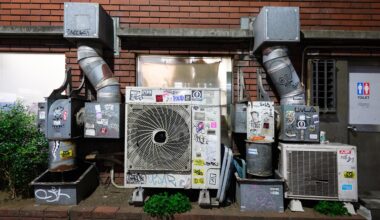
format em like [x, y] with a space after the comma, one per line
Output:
[50, 195]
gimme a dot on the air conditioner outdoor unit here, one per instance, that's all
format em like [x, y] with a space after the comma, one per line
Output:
[319, 171]
[172, 138]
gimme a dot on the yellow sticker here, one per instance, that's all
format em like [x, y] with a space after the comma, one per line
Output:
[198, 172]
[199, 162]
[65, 154]
[349, 174]
[199, 180]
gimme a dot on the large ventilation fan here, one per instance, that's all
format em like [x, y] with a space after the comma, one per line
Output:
[159, 137]
[319, 171]
[172, 138]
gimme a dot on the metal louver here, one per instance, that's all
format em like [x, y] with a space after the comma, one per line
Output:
[159, 137]
[312, 173]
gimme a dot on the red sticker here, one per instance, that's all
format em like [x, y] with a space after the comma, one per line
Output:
[159, 98]
[65, 115]
[103, 130]
[344, 151]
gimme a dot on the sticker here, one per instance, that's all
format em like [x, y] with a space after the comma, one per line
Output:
[89, 125]
[178, 98]
[274, 191]
[313, 136]
[198, 172]
[103, 130]
[104, 122]
[147, 92]
[199, 162]
[252, 151]
[42, 115]
[200, 126]
[211, 132]
[199, 116]
[213, 124]
[159, 98]
[347, 187]
[199, 180]
[108, 107]
[344, 151]
[196, 95]
[65, 154]
[135, 95]
[65, 115]
[98, 115]
[349, 174]
[212, 179]
[90, 132]
[98, 108]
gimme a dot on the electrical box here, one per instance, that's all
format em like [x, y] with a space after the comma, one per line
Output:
[61, 123]
[260, 121]
[299, 123]
[239, 118]
[103, 120]
[41, 117]
[276, 25]
[87, 21]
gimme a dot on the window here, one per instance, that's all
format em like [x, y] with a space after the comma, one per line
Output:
[323, 85]
[29, 77]
[171, 71]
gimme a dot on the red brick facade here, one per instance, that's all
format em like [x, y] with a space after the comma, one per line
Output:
[315, 15]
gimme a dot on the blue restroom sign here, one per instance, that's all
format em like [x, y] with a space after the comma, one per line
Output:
[359, 88]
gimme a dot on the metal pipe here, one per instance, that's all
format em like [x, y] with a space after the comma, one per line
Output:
[99, 73]
[283, 75]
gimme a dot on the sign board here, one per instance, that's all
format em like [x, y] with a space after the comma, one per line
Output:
[364, 97]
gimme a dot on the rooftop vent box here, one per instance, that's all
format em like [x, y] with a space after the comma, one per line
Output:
[88, 21]
[276, 25]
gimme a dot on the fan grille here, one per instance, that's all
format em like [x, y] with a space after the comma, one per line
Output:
[313, 173]
[158, 137]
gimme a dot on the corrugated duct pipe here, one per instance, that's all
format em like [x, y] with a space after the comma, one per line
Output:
[99, 73]
[283, 75]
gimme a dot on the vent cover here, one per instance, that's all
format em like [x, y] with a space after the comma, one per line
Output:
[323, 85]
[312, 173]
[159, 137]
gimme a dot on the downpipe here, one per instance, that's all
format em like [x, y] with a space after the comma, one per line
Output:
[283, 75]
[99, 73]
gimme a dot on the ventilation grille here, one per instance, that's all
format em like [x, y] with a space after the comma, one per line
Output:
[323, 85]
[312, 173]
[159, 137]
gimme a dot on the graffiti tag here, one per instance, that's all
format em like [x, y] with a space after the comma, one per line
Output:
[51, 195]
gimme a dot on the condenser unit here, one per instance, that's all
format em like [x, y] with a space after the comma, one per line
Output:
[319, 171]
[172, 138]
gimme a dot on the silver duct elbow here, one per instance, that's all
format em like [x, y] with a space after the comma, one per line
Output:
[284, 77]
[99, 73]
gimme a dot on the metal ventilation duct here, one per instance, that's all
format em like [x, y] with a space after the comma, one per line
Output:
[98, 73]
[283, 76]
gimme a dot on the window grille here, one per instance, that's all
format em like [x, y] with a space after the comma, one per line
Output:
[323, 86]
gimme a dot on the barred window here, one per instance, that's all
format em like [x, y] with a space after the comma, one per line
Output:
[323, 85]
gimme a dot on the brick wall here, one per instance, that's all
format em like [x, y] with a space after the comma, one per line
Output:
[338, 14]
[315, 14]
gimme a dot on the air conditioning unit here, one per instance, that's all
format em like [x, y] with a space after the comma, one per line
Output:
[172, 138]
[319, 171]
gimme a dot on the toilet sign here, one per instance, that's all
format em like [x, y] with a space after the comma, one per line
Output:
[364, 98]
[366, 88]
[362, 88]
